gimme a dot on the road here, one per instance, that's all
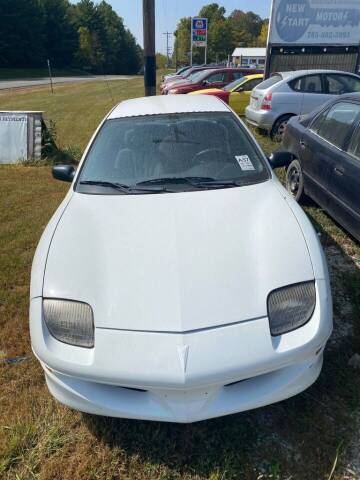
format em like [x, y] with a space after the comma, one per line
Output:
[35, 82]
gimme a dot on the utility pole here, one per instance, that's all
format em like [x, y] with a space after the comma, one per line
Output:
[50, 75]
[168, 34]
[149, 47]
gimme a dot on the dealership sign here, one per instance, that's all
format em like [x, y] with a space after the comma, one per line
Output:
[315, 22]
[199, 27]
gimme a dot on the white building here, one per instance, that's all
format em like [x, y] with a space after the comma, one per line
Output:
[245, 57]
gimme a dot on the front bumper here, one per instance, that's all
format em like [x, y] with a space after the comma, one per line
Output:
[183, 406]
[183, 377]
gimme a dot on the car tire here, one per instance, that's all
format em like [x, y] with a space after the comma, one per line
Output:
[295, 181]
[278, 129]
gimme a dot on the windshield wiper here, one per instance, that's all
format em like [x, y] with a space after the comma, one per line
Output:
[163, 180]
[122, 187]
[198, 182]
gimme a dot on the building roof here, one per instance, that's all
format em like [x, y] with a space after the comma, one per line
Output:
[249, 52]
[167, 104]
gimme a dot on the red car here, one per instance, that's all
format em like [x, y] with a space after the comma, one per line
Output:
[175, 79]
[213, 78]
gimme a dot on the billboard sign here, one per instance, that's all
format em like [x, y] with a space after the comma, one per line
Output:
[199, 27]
[315, 22]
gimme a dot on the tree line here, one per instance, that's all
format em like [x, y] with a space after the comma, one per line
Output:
[84, 35]
[239, 29]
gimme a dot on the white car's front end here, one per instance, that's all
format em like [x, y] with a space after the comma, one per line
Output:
[179, 306]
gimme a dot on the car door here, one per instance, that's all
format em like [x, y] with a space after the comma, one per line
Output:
[315, 162]
[239, 98]
[345, 184]
[313, 89]
[322, 152]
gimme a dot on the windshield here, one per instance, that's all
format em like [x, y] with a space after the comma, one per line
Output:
[182, 70]
[201, 75]
[234, 84]
[211, 146]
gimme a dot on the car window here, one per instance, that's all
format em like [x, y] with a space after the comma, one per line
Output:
[237, 75]
[248, 86]
[216, 77]
[269, 82]
[338, 122]
[339, 84]
[354, 147]
[307, 84]
[212, 144]
[316, 125]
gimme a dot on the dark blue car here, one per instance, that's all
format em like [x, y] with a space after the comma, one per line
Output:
[321, 153]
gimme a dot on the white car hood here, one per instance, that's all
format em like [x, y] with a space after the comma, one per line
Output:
[176, 262]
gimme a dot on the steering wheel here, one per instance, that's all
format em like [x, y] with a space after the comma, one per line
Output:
[207, 156]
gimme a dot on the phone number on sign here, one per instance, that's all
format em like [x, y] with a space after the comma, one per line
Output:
[328, 35]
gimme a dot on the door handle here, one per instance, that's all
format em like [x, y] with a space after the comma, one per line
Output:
[339, 171]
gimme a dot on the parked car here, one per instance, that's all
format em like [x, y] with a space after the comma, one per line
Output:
[187, 75]
[286, 94]
[178, 280]
[236, 94]
[323, 159]
[180, 71]
[214, 78]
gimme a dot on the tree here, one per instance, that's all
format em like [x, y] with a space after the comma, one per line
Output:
[22, 33]
[262, 38]
[161, 61]
[182, 41]
[245, 27]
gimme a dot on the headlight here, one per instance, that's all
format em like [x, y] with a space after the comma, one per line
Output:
[291, 307]
[173, 91]
[70, 322]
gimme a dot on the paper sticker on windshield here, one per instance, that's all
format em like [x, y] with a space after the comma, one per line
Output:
[244, 162]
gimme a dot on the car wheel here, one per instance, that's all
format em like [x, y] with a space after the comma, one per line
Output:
[278, 129]
[295, 181]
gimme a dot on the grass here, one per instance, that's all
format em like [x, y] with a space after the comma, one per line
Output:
[308, 437]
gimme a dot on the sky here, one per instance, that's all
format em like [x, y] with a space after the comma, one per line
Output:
[168, 13]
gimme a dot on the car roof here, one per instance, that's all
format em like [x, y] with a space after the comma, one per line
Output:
[164, 104]
[300, 73]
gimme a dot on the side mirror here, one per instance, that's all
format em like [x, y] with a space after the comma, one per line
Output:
[65, 173]
[280, 159]
[240, 89]
[205, 82]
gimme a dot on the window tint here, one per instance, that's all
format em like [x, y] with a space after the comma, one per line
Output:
[270, 82]
[135, 149]
[251, 84]
[338, 122]
[216, 77]
[316, 125]
[339, 84]
[354, 148]
[308, 84]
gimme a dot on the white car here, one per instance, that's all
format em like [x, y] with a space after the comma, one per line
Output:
[178, 280]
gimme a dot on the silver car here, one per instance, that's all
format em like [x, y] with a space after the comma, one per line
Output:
[285, 94]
